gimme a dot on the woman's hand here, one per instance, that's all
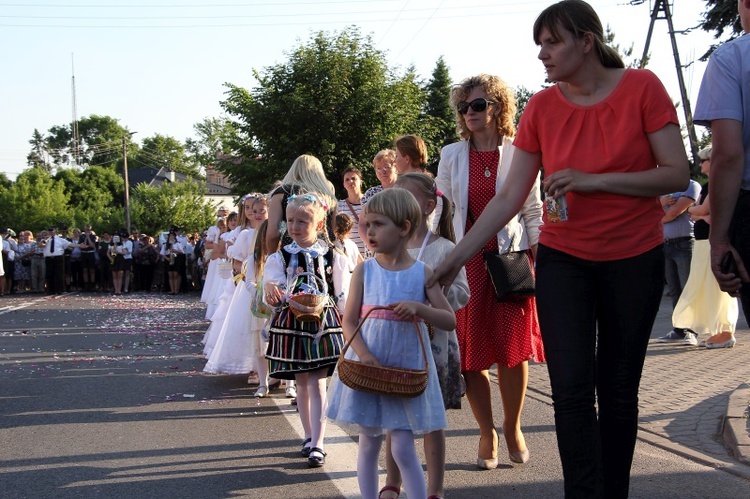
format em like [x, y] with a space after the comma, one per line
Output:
[445, 273]
[569, 180]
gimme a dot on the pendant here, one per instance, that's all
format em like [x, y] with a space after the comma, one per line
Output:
[487, 173]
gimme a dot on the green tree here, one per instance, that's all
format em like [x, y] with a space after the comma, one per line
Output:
[156, 208]
[213, 136]
[336, 97]
[162, 151]
[523, 95]
[100, 142]
[438, 105]
[39, 156]
[96, 196]
[720, 16]
[34, 201]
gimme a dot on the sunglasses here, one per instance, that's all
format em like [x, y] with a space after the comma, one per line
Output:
[477, 105]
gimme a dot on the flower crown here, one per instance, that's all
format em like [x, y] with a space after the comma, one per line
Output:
[312, 198]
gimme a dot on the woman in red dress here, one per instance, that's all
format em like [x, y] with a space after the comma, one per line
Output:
[506, 334]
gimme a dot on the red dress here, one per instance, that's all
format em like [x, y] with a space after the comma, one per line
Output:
[490, 332]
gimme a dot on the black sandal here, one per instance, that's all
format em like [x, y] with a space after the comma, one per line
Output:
[316, 461]
[305, 448]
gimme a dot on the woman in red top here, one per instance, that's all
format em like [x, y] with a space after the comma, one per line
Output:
[600, 133]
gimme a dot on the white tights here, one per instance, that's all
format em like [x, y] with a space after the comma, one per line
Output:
[404, 453]
[262, 363]
[311, 398]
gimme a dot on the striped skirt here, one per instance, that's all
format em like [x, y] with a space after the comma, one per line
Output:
[293, 347]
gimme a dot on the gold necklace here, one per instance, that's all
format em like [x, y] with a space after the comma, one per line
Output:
[487, 172]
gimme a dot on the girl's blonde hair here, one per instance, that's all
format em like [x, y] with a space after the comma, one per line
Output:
[498, 92]
[242, 218]
[399, 205]
[426, 185]
[306, 174]
[259, 248]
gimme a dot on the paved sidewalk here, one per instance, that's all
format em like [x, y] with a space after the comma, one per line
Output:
[684, 397]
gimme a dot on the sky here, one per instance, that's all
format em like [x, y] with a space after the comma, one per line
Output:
[160, 66]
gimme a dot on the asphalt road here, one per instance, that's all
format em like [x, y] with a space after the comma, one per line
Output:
[104, 397]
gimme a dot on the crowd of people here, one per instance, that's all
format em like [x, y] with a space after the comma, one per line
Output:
[413, 249]
[302, 277]
[395, 277]
[58, 259]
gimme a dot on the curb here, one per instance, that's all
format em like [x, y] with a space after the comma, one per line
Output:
[736, 432]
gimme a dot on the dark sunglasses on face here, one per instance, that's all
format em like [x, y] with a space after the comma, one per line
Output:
[478, 105]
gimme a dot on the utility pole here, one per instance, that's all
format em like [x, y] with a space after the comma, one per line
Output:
[127, 182]
[662, 7]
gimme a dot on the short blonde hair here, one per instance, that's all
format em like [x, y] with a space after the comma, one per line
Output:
[384, 154]
[399, 205]
[705, 153]
[498, 92]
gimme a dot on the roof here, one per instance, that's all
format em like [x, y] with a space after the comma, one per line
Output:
[157, 176]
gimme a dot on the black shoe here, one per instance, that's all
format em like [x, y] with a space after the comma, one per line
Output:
[317, 458]
[305, 449]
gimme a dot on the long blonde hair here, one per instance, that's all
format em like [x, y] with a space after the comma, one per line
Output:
[306, 173]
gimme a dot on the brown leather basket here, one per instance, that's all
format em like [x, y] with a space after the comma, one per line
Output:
[383, 380]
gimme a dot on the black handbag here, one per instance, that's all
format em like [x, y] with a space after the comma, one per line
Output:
[510, 273]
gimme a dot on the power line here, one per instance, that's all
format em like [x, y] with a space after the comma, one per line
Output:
[188, 6]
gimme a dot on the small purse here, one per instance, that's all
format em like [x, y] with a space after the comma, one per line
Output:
[511, 273]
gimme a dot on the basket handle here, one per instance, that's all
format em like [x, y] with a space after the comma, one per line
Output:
[319, 283]
[382, 307]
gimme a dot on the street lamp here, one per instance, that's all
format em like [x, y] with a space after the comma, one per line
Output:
[125, 175]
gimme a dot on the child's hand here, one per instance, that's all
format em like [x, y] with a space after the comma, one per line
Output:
[369, 359]
[273, 294]
[406, 310]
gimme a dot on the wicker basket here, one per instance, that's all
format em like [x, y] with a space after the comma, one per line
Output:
[383, 380]
[307, 307]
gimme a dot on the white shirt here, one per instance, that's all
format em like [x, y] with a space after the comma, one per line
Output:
[61, 244]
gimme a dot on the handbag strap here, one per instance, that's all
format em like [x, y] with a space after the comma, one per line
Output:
[362, 321]
[512, 236]
[351, 208]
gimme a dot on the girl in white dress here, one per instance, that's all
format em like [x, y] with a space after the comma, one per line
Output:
[210, 258]
[392, 278]
[231, 353]
[225, 288]
[220, 252]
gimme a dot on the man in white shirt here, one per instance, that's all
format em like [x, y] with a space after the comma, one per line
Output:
[54, 249]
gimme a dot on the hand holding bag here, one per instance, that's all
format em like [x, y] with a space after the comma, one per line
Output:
[511, 273]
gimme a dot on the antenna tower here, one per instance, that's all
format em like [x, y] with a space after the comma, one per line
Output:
[75, 144]
[662, 10]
